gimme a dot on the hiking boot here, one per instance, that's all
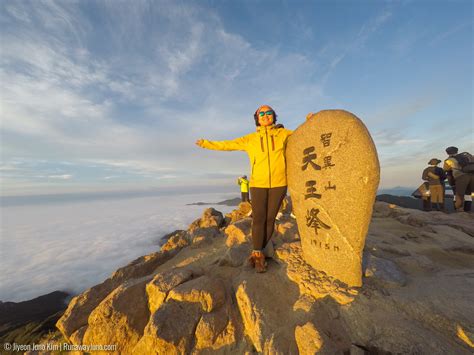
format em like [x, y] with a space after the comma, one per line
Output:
[251, 260]
[260, 263]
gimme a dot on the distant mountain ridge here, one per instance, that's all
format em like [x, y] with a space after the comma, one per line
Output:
[230, 202]
[28, 321]
[401, 198]
[397, 191]
[410, 202]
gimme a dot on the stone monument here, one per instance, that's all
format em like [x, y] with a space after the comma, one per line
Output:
[333, 174]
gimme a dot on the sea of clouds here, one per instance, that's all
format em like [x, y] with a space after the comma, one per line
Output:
[73, 245]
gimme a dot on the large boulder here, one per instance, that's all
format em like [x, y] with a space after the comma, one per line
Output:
[210, 218]
[177, 241]
[308, 339]
[216, 330]
[239, 232]
[170, 330]
[267, 320]
[157, 289]
[113, 321]
[204, 236]
[235, 256]
[78, 311]
[207, 292]
[286, 232]
[243, 211]
[166, 237]
[333, 175]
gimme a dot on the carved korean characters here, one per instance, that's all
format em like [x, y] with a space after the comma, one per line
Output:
[333, 175]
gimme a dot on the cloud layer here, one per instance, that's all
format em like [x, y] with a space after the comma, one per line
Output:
[73, 245]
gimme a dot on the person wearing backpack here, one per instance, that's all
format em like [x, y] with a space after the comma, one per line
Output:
[460, 169]
[435, 177]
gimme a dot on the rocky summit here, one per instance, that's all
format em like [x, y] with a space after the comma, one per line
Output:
[198, 296]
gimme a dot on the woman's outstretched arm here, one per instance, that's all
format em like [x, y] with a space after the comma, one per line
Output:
[234, 144]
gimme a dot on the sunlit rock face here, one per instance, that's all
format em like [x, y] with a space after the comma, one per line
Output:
[333, 174]
[203, 298]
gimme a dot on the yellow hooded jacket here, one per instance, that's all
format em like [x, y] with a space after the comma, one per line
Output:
[244, 184]
[266, 150]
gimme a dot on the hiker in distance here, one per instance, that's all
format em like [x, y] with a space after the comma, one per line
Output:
[244, 188]
[435, 177]
[268, 185]
[460, 170]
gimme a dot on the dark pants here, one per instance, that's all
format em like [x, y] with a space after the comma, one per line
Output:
[427, 204]
[464, 186]
[265, 206]
[467, 204]
[245, 196]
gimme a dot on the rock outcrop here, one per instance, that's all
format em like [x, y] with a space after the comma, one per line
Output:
[200, 297]
[333, 174]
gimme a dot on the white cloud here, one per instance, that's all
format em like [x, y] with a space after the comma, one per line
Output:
[9, 167]
[67, 102]
[390, 138]
[18, 12]
[371, 27]
[142, 166]
[349, 45]
[61, 177]
[448, 33]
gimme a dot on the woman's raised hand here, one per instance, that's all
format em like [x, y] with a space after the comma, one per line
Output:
[200, 142]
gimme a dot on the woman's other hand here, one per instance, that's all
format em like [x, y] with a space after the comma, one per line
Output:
[200, 142]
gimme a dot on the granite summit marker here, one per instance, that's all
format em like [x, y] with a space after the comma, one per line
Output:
[333, 174]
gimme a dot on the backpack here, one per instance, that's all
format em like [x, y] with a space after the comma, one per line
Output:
[465, 161]
[423, 191]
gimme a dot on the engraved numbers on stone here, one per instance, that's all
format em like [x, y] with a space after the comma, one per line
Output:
[324, 245]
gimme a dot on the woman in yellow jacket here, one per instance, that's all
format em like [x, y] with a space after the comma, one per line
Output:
[266, 151]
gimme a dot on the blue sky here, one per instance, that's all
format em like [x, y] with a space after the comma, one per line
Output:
[104, 95]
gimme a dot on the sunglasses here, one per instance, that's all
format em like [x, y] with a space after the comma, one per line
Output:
[268, 113]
